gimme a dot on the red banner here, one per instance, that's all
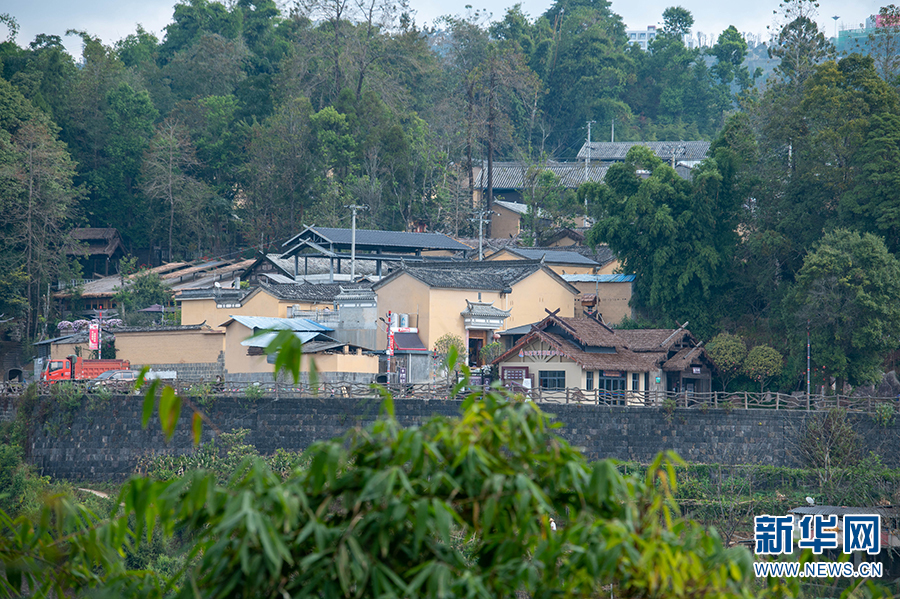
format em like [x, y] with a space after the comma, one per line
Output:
[94, 336]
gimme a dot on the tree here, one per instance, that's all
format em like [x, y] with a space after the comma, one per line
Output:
[762, 364]
[884, 44]
[446, 346]
[167, 177]
[38, 199]
[728, 352]
[800, 44]
[677, 21]
[140, 291]
[649, 221]
[848, 291]
[730, 51]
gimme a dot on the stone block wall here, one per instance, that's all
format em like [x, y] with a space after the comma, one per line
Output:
[107, 443]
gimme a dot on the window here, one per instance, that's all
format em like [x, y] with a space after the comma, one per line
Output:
[54, 366]
[589, 380]
[552, 379]
[635, 381]
[613, 387]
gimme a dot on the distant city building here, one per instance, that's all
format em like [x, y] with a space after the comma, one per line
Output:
[641, 37]
[849, 41]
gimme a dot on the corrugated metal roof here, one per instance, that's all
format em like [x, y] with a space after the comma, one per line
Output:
[684, 151]
[599, 278]
[264, 339]
[279, 324]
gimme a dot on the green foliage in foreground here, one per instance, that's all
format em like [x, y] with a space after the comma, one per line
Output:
[382, 512]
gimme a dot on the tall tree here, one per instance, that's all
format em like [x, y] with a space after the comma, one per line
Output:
[39, 200]
[167, 175]
[649, 221]
[848, 294]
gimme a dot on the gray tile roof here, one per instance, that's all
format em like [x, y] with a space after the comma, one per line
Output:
[484, 309]
[553, 256]
[601, 254]
[494, 275]
[512, 175]
[616, 151]
[321, 292]
[368, 239]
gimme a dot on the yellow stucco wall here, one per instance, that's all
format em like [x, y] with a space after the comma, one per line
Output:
[505, 223]
[260, 304]
[504, 255]
[612, 299]
[237, 360]
[611, 268]
[439, 309]
[163, 347]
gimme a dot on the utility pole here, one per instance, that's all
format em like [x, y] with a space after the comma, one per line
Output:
[587, 162]
[354, 208]
[481, 216]
[807, 361]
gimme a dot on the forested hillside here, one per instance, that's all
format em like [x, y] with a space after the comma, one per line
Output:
[243, 123]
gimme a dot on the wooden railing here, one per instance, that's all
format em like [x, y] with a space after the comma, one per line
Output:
[741, 400]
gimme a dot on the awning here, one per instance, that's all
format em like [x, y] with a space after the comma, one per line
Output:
[408, 342]
[266, 338]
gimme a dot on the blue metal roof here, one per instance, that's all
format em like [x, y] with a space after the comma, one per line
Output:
[280, 324]
[598, 278]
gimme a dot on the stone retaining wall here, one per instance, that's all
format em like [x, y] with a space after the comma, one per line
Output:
[106, 443]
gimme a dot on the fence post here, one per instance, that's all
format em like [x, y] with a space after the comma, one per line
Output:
[777, 400]
[716, 399]
[567, 395]
[746, 405]
[808, 402]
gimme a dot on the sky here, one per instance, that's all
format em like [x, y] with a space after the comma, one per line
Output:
[112, 20]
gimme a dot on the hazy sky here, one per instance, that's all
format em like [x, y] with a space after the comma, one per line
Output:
[112, 20]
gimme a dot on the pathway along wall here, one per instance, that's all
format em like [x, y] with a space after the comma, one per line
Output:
[106, 443]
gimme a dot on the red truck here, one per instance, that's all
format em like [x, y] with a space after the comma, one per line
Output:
[74, 368]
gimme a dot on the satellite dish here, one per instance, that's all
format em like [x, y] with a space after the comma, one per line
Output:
[810, 501]
[217, 285]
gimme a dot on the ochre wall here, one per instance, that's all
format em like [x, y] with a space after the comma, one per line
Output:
[237, 360]
[162, 347]
[260, 304]
[439, 310]
[505, 223]
[612, 299]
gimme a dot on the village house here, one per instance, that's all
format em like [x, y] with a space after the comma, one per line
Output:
[215, 305]
[471, 300]
[583, 358]
[246, 338]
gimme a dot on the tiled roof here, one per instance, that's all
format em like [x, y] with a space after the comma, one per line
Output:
[685, 357]
[601, 254]
[487, 275]
[322, 292]
[100, 240]
[316, 265]
[553, 256]
[512, 175]
[616, 151]
[485, 310]
[374, 239]
[652, 339]
[635, 350]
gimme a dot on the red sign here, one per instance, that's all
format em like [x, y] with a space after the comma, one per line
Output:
[94, 336]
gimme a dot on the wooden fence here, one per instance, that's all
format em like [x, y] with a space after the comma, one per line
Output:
[742, 400]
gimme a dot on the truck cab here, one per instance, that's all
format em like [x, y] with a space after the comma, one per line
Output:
[58, 370]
